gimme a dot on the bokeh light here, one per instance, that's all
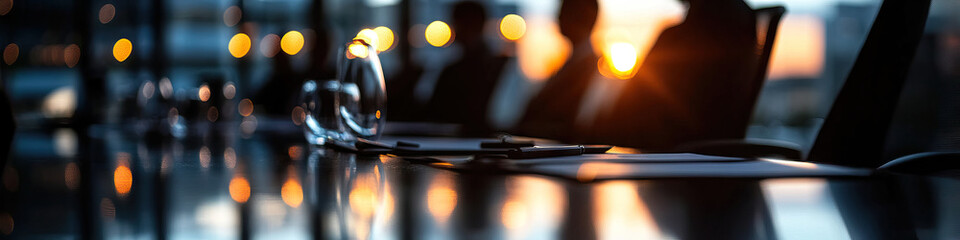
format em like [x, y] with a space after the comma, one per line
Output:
[357, 50]
[71, 176]
[229, 90]
[298, 115]
[122, 180]
[204, 156]
[61, 103]
[71, 55]
[239, 45]
[204, 93]
[441, 198]
[512, 27]
[369, 37]
[270, 45]
[239, 189]
[292, 193]
[6, 223]
[622, 58]
[230, 157]
[213, 114]
[291, 42]
[107, 12]
[5, 6]
[245, 107]
[438, 34]
[232, 16]
[10, 53]
[122, 49]
[386, 37]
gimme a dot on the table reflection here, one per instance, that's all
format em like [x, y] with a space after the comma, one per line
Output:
[108, 184]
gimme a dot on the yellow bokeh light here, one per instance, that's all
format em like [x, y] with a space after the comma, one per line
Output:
[438, 33]
[357, 50]
[292, 193]
[291, 42]
[122, 180]
[513, 214]
[622, 58]
[122, 49]
[441, 197]
[368, 36]
[512, 27]
[239, 189]
[239, 45]
[386, 38]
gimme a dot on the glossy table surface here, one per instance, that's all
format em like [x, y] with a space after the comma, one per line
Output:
[103, 183]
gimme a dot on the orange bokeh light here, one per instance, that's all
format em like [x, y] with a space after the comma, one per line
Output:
[292, 193]
[122, 180]
[239, 189]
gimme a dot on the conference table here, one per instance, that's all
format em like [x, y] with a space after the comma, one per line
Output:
[109, 182]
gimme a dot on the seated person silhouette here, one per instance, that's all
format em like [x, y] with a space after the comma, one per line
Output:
[692, 84]
[464, 89]
[552, 112]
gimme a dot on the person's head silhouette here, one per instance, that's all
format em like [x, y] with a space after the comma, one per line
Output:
[468, 20]
[576, 19]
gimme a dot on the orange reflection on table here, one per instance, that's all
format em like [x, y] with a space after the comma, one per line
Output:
[441, 197]
[619, 211]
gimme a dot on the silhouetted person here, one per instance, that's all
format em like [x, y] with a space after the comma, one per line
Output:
[552, 112]
[464, 88]
[688, 87]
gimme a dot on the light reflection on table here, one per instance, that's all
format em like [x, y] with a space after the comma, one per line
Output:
[275, 187]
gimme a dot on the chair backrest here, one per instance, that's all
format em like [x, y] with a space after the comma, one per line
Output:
[768, 21]
[854, 132]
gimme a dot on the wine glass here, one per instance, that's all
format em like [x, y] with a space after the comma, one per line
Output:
[363, 93]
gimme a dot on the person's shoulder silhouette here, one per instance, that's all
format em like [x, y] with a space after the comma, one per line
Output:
[557, 103]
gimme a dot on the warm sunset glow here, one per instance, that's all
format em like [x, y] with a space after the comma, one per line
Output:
[799, 48]
[291, 42]
[621, 212]
[542, 50]
[239, 45]
[245, 107]
[357, 50]
[292, 193]
[239, 189]
[438, 34]
[623, 56]
[71, 55]
[10, 53]
[107, 12]
[441, 197]
[122, 180]
[204, 93]
[122, 49]
[232, 16]
[512, 27]
[385, 35]
[270, 45]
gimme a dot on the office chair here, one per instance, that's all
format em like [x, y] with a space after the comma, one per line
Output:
[854, 132]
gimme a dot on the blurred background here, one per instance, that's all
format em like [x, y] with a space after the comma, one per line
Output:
[122, 60]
